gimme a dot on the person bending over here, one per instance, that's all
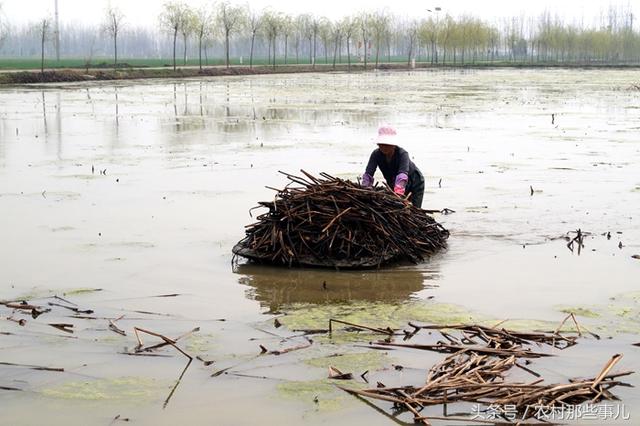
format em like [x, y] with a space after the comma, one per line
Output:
[396, 167]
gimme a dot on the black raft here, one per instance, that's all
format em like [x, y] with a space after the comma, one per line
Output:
[335, 223]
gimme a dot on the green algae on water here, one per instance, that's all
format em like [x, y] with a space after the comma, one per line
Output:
[579, 311]
[377, 314]
[127, 388]
[200, 343]
[321, 394]
[356, 362]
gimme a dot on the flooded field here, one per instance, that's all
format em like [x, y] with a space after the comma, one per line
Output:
[126, 199]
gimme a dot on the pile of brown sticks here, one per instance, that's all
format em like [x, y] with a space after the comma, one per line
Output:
[328, 221]
[480, 357]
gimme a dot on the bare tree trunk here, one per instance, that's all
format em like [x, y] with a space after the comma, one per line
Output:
[42, 51]
[269, 53]
[200, 51]
[335, 52]
[226, 43]
[433, 49]
[286, 39]
[364, 45]
[253, 36]
[348, 56]
[175, 36]
[274, 52]
[315, 37]
[115, 51]
[377, 51]
[184, 38]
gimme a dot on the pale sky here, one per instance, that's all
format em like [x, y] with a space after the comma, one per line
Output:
[145, 12]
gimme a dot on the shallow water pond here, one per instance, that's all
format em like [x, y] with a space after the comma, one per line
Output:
[125, 199]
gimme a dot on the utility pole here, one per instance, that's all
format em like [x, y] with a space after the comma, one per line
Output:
[56, 32]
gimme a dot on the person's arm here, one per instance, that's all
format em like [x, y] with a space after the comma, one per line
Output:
[367, 177]
[403, 173]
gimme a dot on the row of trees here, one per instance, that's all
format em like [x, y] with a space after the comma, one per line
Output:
[228, 31]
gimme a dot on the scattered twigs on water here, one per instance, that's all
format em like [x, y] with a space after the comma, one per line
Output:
[166, 401]
[447, 348]
[71, 308]
[67, 328]
[167, 341]
[35, 311]
[264, 350]
[204, 361]
[113, 327]
[333, 222]
[33, 367]
[578, 239]
[387, 331]
[502, 338]
[172, 343]
[20, 321]
[336, 374]
[119, 418]
[9, 388]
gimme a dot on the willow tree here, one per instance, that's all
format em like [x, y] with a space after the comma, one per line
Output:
[326, 31]
[202, 24]
[272, 27]
[230, 20]
[363, 21]
[379, 26]
[287, 28]
[172, 19]
[189, 26]
[303, 28]
[254, 22]
[336, 34]
[428, 35]
[112, 25]
[412, 34]
[349, 27]
[43, 27]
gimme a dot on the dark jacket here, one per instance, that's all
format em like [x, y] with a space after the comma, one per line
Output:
[399, 163]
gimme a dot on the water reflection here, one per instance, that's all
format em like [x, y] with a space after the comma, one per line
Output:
[59, 124]
[44, 115]
[115, 91]
[274, 287]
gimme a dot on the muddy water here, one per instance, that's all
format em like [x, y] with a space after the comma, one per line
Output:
[140, 189]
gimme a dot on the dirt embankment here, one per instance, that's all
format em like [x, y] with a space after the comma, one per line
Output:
[126, 73]
[72, 75]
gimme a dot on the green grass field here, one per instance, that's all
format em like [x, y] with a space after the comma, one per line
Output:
[106, 62]
[7, 64]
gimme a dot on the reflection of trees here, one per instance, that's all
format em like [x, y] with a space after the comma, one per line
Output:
[274, 287]
[239, 109]
[44, 115]
[59, 124]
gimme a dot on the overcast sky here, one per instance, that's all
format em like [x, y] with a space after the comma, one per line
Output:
[145, 12]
